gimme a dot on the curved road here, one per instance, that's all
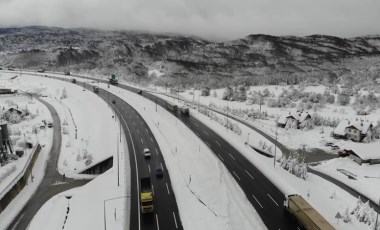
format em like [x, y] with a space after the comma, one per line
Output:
[47, 189]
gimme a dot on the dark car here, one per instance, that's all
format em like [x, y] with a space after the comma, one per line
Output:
[139, 91]
[73, 80]
[334, 147]
[113, 101]
[159, 172]
[343, 153]
[329, 144]
[66, 72]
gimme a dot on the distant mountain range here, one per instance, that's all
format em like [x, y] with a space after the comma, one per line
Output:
[186, 61]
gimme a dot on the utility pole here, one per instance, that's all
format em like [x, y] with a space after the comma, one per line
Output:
[275, 148]
[377, 217]
[118, 176]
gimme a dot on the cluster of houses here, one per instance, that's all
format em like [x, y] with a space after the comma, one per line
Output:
[358, 131]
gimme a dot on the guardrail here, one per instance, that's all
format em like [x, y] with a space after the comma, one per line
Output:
[19, 182]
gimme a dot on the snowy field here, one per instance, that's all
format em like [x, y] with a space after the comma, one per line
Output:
[92, 143]
[320, 191]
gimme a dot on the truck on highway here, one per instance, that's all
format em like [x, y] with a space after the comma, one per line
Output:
[171, 106]
[113, 80]
[306, 215]
[95, 89]
[185, 110]
[146, 197]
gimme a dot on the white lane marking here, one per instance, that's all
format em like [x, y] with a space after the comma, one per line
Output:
[142, 140]
[217, 143]
[141, 122]
[196, 133]
[257, 201]
[175, 221]
[156, 151]
[206, 133]
[158, 225]
[208, 144]
[231, 156]
[249, 174]
[162, 167]
[137, 171]
[149, 167]
[146, 130]
[153, 189]
[138, 131]
[272, 199]
[167, 187]
[220, 157]
[151, 139]
[236, 174]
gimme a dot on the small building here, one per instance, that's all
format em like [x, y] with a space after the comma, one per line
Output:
[16, 110]
[297, 117]
[353, 130]
[364, 153]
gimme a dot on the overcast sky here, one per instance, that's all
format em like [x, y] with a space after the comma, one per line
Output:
[225, 19]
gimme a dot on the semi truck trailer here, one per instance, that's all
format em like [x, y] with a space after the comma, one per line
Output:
[306, 215]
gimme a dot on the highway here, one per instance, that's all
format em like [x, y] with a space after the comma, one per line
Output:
[265, 197]
[139, 136]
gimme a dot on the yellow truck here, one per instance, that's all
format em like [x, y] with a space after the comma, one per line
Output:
[306, 215]
[146, 197]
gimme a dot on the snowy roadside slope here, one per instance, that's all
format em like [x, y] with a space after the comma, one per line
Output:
[95, 129]
[320, 189]
[226, 206]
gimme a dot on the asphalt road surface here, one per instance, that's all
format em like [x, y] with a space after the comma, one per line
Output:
[266, 198]
[139, 136]
[47, 188]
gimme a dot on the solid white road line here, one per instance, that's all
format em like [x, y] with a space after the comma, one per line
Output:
[149, 168]
[208, 144]
[162, 167]
[196, 133]
[151, 139]
[231, 156]
[167, 187]
[153, 189]
[156, 151]
[137, 171]
[272, 199]
[220, 157]
[249, 174]
[158, 225]
[257, 201]
[236, 174]
[138, 131]
[175, 220]
[142, 140]
[217, 143]
[146, 130]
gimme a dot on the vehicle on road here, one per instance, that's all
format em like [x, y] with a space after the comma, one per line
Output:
[171, 106]
[147, 153]
[146, 196]
[41, 71]
[139, 91]
[306, 215]
[113, 80]
[50, 124]
[334, 147]
[329, 144]
[96, 89]
[185, 110]
[113, 101]
[66, 72]
[74, 80]
[343, 153]
[159, 172]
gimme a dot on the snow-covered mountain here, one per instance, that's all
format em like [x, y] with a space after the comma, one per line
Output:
[190, 60]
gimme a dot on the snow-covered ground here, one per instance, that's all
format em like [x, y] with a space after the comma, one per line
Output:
[320, 191]
[98, 136]
[90, 141]
[367, 176]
